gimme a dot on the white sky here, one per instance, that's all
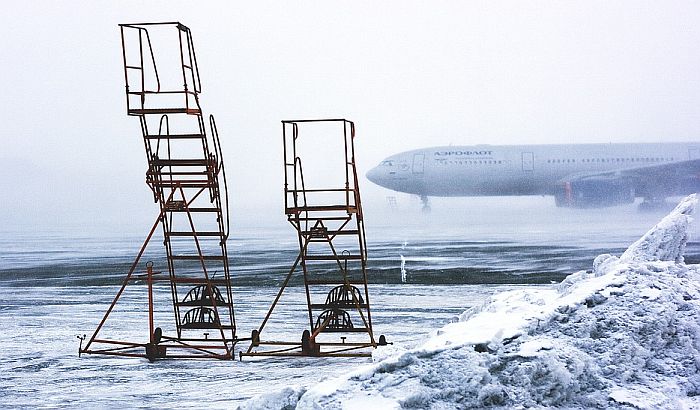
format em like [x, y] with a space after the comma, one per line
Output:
[410, 74]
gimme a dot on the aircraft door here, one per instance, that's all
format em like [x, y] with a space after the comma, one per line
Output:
[418, 160]
[528, 161]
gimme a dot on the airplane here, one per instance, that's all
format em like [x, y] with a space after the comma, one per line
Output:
[577, 175]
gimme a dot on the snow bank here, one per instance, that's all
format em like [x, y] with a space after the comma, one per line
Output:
[625, 334]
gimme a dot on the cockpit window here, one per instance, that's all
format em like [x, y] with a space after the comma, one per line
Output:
[387, 163]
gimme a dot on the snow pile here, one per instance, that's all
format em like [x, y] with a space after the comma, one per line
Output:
[624, 334]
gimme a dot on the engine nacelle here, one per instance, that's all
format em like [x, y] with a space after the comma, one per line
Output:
[594, 193]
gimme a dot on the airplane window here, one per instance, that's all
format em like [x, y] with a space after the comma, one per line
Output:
[387, 163]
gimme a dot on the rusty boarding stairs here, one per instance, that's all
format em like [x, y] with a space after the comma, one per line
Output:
[187, 178]
[332, 258]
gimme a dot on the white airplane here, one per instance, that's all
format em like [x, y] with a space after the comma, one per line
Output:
[585, 175]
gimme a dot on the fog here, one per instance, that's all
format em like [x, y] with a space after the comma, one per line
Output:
[409, 74]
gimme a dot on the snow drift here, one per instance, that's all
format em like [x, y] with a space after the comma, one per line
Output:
[624, 334]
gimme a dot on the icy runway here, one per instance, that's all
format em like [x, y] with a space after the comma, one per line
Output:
[56, 286]
[40, 364]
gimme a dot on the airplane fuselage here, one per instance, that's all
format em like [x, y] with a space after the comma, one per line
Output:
[492, 170]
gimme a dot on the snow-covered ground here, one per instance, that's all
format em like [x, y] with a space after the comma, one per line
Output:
[624, 334]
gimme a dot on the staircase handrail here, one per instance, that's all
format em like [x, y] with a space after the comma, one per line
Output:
[150, 50]
[220, 165]
[193, 58]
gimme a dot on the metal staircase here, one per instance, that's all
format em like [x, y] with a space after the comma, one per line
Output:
[187, 177]
[332, 256]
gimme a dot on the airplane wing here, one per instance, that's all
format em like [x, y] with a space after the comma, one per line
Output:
[651, 181]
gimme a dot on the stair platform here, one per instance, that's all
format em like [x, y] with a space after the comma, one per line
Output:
[161, 111]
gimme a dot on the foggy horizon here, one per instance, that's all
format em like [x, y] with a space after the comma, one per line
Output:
[409, 75]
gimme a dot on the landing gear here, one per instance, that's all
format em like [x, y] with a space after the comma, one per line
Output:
[654, 204]
[426, 204]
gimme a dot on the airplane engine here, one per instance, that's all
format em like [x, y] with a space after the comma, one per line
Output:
[594, 193]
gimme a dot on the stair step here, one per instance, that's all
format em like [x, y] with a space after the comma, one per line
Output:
[331, 233]
[295, 217]
[146, 111]
[321, 208]
[193, 210]
[199, 303]
[176, 173]
[196, 257]
[332, 257]
[184, 184]
[323, 306]
[333, 282]
[198, 281]
[189, 233]
[174, 136]
[184, 162]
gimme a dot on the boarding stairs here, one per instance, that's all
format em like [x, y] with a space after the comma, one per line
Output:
[187, 177]
[332, 258]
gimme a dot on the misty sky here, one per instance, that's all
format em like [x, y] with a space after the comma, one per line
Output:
[410, 74]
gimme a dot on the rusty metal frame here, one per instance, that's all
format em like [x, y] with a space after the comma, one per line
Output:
[322, 223]
[179, 186]
[136, 349]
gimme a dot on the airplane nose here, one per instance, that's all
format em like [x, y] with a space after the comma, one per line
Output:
[373, 175]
